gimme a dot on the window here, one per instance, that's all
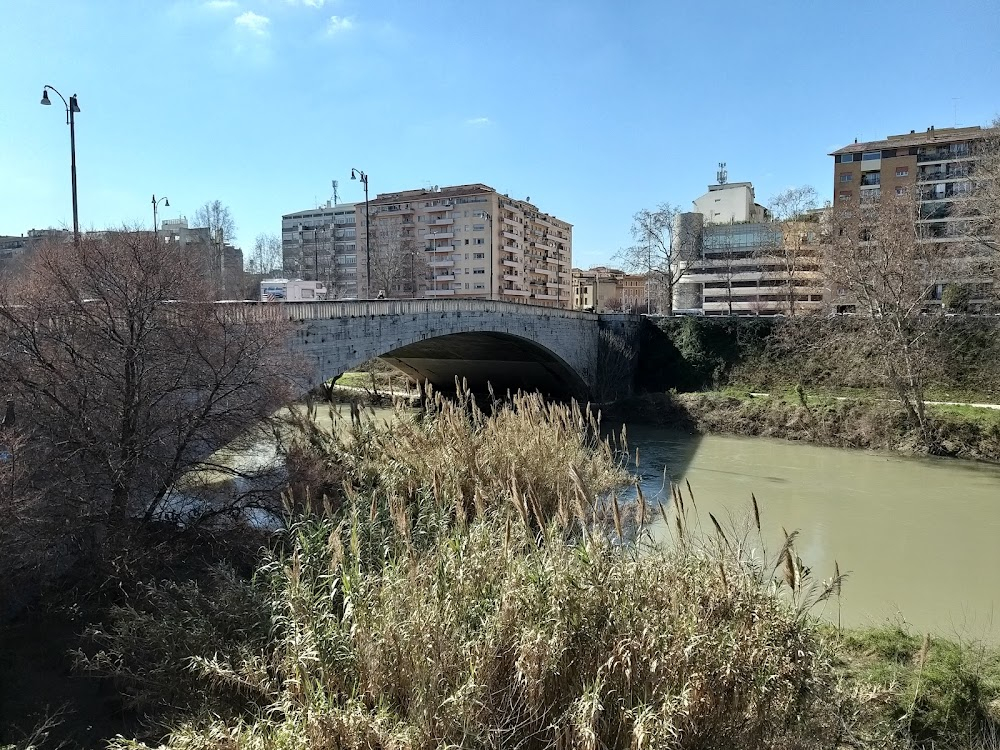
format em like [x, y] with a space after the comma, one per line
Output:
[479, 256]
[846, 158]
[478, 270]
[846, 177]
[478, 241]
[902, 171]
[466, 256]
[479, 286]
[466, 271]
[466, 284]
[900, 191]
[478, 227]
[871, 155]
[845, 195]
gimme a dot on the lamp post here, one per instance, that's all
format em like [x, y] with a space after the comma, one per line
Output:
[72, 107]
[166, 204]
[358, 174]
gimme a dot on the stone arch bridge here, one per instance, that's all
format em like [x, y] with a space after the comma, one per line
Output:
[510, 345]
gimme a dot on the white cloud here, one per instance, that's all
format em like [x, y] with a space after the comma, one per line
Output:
[339, 25]
[221, 4]
[478, 121]
[307, 3]
[254, 23]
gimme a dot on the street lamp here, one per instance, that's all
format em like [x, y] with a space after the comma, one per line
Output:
[72, 107]
[166, 204]
[489, 218]
[358, 174]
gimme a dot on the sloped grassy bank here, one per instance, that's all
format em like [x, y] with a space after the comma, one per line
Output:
[961, 432]
[470, 580]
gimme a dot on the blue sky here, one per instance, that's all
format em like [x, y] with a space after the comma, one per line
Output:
[593, 109]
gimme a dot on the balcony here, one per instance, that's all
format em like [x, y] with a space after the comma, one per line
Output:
[445, 277]
[516, 292]
[511, 277]
[511, 263]
[439, 235]
[447, 205]
[440, 248]
[958, 151]
[439, 292]
[871, 180]
[441, 222]
[509, 220]
[441, 263]
[510, 235]
[936, 175]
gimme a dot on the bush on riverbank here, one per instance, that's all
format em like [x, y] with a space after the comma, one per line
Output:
[847, 423]
[765, 354]
[501, 634]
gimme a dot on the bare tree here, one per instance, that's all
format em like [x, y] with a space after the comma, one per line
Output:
[266, 254]
[264, 259]
[654, 252]
[127, 377]
[219, 221]
[878, 262]
[397, 264]
[981, 207]
[787, 242]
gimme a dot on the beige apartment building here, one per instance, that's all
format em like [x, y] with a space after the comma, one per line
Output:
[602, 289]
[464, 242]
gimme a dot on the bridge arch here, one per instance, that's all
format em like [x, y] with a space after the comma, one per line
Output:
[510, 344]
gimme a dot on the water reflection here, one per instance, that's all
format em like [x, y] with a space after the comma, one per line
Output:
[918, 536]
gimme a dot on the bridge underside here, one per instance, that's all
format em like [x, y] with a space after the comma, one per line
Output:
[507, 362]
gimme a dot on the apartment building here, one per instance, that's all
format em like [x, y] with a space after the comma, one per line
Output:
[737, 261]
[933, 167]
[222, 263]
[464, 241]
[320, 244]
[602, 289]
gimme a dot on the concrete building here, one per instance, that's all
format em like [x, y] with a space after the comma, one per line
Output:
[737, 261]
[601, 289]
[320, 244]
[730, 203]
[222, 262]
[465, 241]
[932, 166]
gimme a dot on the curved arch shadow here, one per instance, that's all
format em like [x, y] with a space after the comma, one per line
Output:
[506, 361]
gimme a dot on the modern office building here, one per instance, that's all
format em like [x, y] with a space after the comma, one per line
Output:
[737, 261]
[464, 241]
[320, 244]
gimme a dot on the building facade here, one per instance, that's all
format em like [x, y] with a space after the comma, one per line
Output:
[602, 289]
[464, 241]
[320, 244]
[221, 262]
[735, 260]
[933, 168]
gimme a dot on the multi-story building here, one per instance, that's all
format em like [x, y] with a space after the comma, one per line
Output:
[320, 244]
[464, 241]
[932, 167]
[737, 261]
[222, 262]
[602, 289]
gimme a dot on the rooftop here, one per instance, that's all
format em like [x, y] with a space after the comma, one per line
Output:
[928, 137]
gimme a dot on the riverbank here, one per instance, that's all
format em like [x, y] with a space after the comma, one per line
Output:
[954, 430]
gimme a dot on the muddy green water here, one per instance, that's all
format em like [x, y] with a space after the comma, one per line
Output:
[919, 537]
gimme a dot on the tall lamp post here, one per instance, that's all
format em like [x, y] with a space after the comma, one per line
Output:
[489, 218]
[358, 174]
[166, 204]
[72, 107]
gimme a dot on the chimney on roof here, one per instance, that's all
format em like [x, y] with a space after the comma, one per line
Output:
[855, 140]
[912, 132]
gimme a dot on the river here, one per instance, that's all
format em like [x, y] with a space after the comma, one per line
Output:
[917, 536]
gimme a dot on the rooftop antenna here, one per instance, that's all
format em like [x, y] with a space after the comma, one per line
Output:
[722, 175]
[335, 196]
